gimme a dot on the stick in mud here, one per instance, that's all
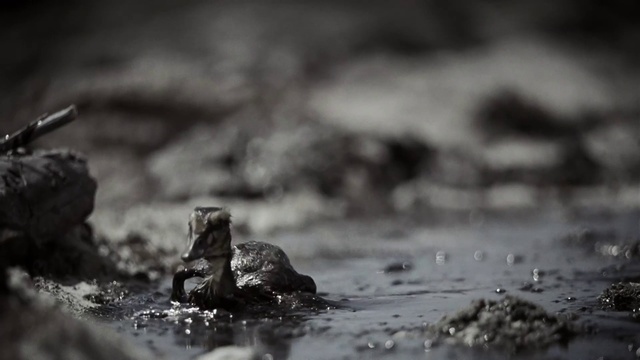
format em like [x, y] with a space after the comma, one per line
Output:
[44, 125]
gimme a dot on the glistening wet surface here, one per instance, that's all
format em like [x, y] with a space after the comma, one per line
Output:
[393, 277]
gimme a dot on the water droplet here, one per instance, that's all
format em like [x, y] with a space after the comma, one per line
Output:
[511, 259]
[537, 274]
[500, 291]
[478, 255]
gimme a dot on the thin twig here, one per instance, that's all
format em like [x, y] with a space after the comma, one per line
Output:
[38, 128]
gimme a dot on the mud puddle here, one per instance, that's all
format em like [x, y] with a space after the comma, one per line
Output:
[392, 278]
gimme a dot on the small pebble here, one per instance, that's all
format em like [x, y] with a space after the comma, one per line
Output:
[398, 267]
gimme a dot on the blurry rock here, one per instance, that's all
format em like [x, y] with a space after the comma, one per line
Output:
[400, 266]
[508, 113]
[292, 211]
[511, 196]
[522, 155]
[33, 327]
[616, 147]
[427, 194]
[306, 156]
[509, 324]
[152, 85]
[202, 161]
[540, 163]
[45, 198]
[121, 181]
[455, 168]
[142, 239]
[231, 353]
[136, 256]
[74, 255]
[44, 333]
[435, 98]
[623, 296]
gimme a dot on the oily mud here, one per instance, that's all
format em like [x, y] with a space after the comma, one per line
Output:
[402, 282]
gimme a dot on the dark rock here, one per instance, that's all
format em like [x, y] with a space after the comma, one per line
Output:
[398, 267]
[509, 113]
[44, 194]
[621, 297]
[511, 324]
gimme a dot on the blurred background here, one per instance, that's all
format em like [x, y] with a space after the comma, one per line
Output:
[292, 112]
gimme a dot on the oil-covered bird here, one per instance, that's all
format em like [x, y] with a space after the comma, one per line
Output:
[251, 272]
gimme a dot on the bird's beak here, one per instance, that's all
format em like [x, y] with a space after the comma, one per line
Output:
[197, 246]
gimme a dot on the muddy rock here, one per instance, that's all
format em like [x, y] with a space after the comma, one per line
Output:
[623, 296]
[511, 324]
[44, 194]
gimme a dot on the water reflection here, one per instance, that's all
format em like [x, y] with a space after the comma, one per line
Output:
[266, 336]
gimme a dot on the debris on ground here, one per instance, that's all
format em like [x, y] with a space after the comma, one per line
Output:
[623, 296]
[511, 323]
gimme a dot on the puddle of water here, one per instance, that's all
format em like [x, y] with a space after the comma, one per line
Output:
[384, 312]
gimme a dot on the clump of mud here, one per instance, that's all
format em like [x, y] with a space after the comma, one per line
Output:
[108, 293]
[621, 297]
[511, 324]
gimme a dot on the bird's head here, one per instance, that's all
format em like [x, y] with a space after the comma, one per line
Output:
[209, 234]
